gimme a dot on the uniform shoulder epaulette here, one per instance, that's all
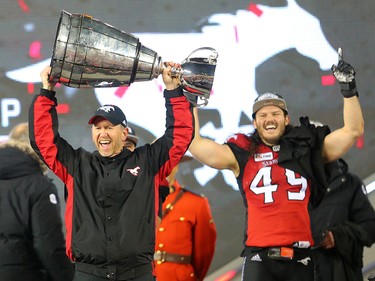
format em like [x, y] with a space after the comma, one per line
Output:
[193, 192]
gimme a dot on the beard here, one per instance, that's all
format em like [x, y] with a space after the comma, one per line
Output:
[271, 140]
[274, 138]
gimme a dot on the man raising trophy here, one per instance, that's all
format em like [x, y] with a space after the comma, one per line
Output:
[112, 193]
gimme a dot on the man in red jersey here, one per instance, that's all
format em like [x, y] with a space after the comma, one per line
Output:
[278, 167]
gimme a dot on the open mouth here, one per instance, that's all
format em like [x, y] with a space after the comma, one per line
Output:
[270, 127]
[104, 143]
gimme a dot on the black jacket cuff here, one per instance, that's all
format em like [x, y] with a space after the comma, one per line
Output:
[173, 93]
[49, 94]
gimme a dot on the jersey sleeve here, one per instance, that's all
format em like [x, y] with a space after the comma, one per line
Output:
[44, 136]
[167, 151]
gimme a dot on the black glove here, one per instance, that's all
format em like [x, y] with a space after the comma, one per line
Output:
[345, 73]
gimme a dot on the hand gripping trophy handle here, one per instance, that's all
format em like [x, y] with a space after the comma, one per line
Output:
[91, 54]
[197, 75]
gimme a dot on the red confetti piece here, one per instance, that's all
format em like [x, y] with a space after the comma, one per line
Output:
[328, 80]
[30, 88]
[34, 50]
[236, 33]
[120, 91]
[360, 142]
[23, 6]
[255, 9]
[227, 276]
[63, 108]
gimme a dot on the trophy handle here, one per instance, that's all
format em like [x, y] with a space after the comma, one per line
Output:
[197, 75]
[211, 59]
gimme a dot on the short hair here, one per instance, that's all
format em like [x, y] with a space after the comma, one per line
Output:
[19, 138]
[20, 133]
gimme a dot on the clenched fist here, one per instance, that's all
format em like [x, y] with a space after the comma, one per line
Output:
[345, 74]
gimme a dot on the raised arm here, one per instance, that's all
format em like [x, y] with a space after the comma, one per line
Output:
[43, 130]
[209, 152]
[337, 143]
[167, 151]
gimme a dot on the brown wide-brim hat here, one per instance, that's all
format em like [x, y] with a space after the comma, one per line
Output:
[132, 136]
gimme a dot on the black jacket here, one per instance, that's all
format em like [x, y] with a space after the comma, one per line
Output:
[346, 211]
[112, 202]
[31, 237]
[301, 152]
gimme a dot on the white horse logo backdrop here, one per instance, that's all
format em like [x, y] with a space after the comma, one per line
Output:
[244, 40]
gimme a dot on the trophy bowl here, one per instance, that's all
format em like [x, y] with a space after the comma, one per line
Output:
[89, 53]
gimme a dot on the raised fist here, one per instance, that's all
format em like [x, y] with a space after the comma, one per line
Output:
[345, 74]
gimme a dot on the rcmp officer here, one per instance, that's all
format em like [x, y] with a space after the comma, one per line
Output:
[186, 236]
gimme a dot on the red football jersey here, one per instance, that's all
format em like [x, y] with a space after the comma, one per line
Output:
[275, 198]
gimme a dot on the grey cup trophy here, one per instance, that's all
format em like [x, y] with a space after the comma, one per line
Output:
[90, 54]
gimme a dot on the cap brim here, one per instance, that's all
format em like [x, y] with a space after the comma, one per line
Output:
[269, 102]
[132, 138]
[92, 119]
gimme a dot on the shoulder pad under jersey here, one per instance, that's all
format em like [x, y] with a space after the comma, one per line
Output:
[239, 139]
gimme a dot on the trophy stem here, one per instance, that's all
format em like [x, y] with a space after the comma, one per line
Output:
[158, 69]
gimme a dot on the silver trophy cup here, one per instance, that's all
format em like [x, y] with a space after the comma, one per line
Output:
[91, 54]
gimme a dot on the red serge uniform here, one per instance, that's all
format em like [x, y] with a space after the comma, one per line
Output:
[187, 235]
[276, 198]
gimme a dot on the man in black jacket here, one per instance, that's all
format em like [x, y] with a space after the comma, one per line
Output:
[342, 225]
[31, 238]
[112, 197]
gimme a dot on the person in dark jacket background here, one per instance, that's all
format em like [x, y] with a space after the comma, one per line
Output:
[342, 225]
[31, 238]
